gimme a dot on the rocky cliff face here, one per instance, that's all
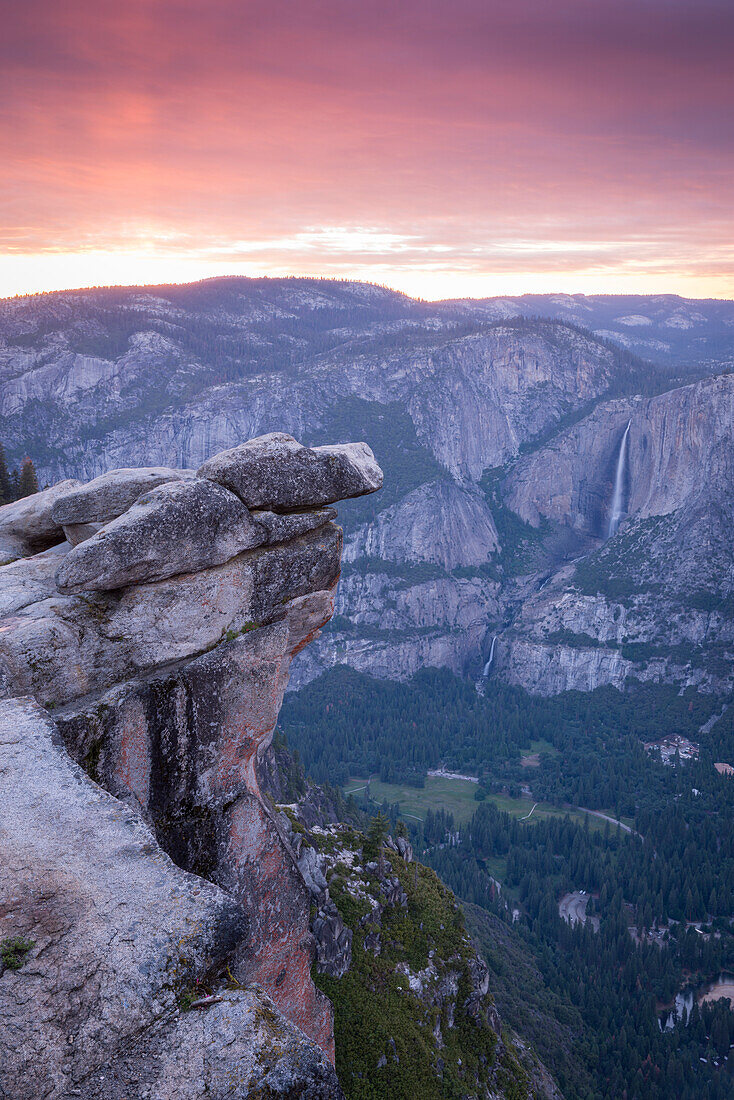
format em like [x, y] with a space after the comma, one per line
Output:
[500, 432]
[441, 523]
[679, 450]
[144, 873]
[414, 1015]
[655, 601]
[119, 986]
[503, 385]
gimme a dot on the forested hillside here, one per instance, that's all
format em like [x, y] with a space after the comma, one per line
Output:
[657, 893]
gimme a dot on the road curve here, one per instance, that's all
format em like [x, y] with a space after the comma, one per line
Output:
[606, 817]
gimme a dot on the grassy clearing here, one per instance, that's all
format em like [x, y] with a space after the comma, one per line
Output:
[531, 759]
[496, 867]
[521, 807]
[454, 795]
[543, 746]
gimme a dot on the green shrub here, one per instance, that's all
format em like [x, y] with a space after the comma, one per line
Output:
[13, 951]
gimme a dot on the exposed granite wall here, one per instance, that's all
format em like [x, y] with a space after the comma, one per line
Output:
[167, 690]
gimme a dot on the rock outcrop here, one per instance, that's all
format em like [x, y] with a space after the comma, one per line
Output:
[106, 497]
[164, 688]
[180, 527]
[275, 472]
[118, 941]
[27, 525]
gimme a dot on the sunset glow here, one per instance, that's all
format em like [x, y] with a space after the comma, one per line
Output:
[476, 148]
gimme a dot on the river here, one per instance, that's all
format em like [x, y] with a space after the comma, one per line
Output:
[711, 991]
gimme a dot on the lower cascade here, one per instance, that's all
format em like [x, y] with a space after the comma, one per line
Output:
[617, 511]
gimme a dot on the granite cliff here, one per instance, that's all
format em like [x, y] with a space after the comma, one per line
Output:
[159, 916]
[500, 431]
[654, 601]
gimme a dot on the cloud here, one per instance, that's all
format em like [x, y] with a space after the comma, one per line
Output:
[489, 137]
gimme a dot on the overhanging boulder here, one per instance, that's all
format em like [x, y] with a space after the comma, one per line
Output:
[276, 472]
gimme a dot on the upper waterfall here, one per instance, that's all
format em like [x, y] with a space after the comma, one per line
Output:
[617, 511]
[491, 657]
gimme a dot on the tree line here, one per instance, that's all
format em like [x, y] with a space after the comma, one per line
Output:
[16, 483]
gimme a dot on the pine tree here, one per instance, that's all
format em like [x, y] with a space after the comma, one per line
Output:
[377, 834]
[5, 497]
[28, 483]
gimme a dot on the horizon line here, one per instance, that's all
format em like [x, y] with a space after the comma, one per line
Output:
[345, 280]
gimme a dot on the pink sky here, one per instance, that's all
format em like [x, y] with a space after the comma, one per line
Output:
[443, 148]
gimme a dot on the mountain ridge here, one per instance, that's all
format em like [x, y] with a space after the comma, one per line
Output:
[456, 403]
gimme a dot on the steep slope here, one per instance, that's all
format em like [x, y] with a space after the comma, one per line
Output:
[500, 434]
[679, 448]
[166, 930]
[414, 1013]
[656, 600]
[115, 943]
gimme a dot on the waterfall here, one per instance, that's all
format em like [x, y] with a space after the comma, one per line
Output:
[491, 657]
[617, 511]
